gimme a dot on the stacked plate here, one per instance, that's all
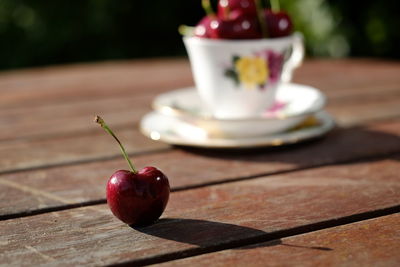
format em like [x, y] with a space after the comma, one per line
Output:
[181, 118]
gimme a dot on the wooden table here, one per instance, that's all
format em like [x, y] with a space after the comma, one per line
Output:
[333, 201]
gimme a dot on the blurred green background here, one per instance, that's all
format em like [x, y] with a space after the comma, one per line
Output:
[37, 32]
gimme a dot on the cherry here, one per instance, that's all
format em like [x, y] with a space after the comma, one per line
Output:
[237, 27]
[234, 8]
[243, 27]
[278, 23]
[203, 28]
[136, 197]
[243, 19]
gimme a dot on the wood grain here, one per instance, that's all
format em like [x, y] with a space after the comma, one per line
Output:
[366, 108]
[47, 122]
[74, 148]
[54, 164]
[85, 182]
[52, 121]
[61, 100]
[204, 219]
[65, 143]
[67, 84]
[344, 77]
[88, 82]
[374, 242]
[62, 122]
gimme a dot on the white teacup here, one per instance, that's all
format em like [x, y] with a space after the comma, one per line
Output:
[239, 78]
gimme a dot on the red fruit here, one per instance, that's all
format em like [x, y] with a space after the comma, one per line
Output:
[279, 23]
[203, 28]
[227, 8]
[242, 27]
[138, 198]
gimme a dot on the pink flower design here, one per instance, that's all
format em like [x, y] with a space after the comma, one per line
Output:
[275, 63]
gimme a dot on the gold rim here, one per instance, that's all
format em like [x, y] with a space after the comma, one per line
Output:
[171, 111]
[326, 124]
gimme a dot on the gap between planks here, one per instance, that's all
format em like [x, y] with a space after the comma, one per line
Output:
[75, 133]
[144, 152]
[85, 161]
[336, 100]
[68, 205]
[124, 125]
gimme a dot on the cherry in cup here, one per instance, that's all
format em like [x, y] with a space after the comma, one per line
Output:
[278, 23]
[242, 27]
[243, 19]
[203, 28]
[234, 8]
[237, 25]
[135, 197]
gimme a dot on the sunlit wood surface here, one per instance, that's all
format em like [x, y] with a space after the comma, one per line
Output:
[332, 201]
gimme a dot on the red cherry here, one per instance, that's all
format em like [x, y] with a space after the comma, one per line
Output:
[228, 7]
[242, 27]
[138, 198]
[203, 28]
[279, 23]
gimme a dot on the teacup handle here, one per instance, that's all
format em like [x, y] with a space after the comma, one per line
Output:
[296, 58]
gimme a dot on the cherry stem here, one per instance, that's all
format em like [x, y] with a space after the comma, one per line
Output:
[186, 30]
[206, 4]
[261, 18]
[103, 125]
[275, 5]
[227, 12]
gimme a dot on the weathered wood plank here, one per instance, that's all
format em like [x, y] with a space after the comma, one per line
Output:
[69, 149]
[206, 218]
[343, 77]
[69, 139]
[365, 110]
[84, 82]
[120, 91]
[190, 168]
[48, 121]
[91, 81]
[374, 242]
[70, 124]
[52, 120]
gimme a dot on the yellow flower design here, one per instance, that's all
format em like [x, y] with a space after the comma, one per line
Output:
[252, 71]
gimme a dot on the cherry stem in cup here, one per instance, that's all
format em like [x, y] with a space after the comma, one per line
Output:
[275, 5]
[227, 11]
[261, 18]
[185, 30]
[206, 4]
[103, 125]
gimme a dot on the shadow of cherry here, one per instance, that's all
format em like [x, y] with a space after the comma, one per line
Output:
[212, 235]
[201, 233]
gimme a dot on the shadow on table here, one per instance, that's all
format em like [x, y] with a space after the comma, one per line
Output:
[208, 234]
[342, 144]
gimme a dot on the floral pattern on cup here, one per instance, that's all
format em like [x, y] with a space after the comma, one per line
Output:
[256, 71]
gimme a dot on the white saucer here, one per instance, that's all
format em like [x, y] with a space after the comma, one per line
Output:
[294, 103]
[175, 131]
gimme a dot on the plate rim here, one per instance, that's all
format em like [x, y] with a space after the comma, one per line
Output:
[171, 111]
[273, 140]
